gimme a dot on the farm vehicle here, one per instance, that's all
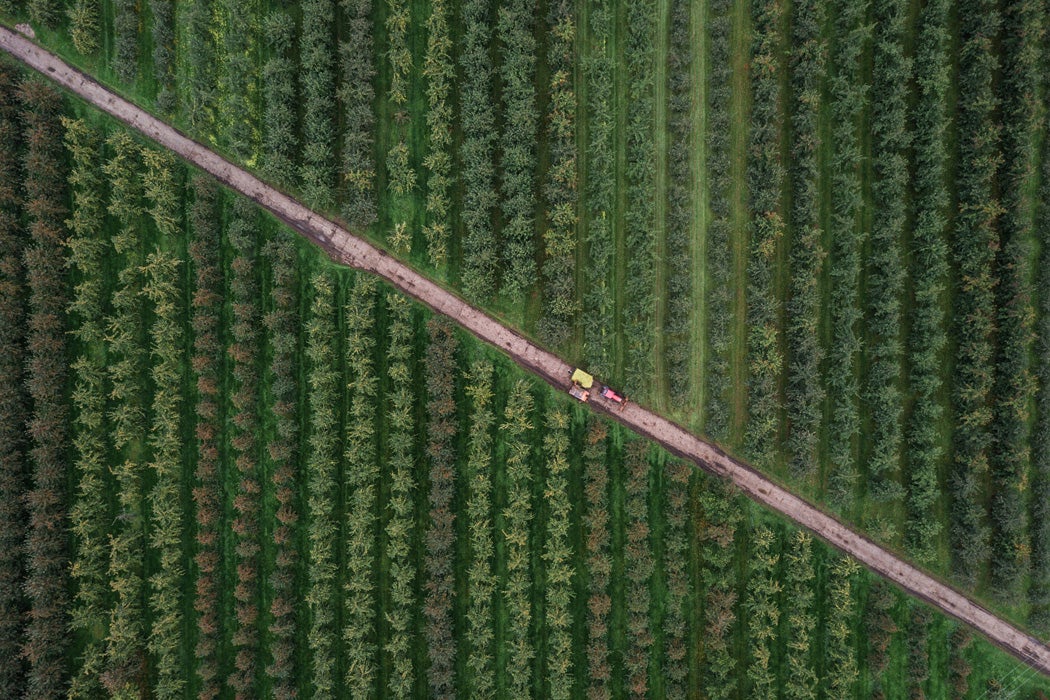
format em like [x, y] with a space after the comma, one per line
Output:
[583, 385]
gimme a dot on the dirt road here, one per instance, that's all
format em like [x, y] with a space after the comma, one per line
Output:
[346, 248]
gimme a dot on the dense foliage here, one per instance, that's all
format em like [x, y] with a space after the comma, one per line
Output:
[317, 72]
[557, 557]
[638, 568]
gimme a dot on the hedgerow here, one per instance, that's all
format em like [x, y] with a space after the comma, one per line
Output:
[282, 328]
[45, 638]
[640, 221]
[356, 93]
[1023, 25]
[517, 46]
[481, 578]
[126, 40]
[884, 279]
[918, 630]
[763, 592]
[559, 266]
[162, 286]
[718, 248]
[128, 364]
[638, 568]
[205, 322]
[974, 242]
[517, 518]
[401, 178]
[322, 489]
[804, 391]
[362, 472]
[245, 402]
[676, 559]
[680, 206]
[165, 602]
[599, 559]
[84, 27]
[477, 152]
[765, 176]
[442, 432]
[201, 58]
[280, 133]
[162, 13]
[1039, 589]
[929, 269]
[14, 401]
[400, 465]
[237, 79]
[847, 93]
[90, 515]
[840, 653]
[720, 519]
[440, 72]
[801, 682]
[557, 557]
[879, 628]
[317, 74]
[598, 302]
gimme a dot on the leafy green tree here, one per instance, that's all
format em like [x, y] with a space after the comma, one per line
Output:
[840, 656]
[720, 518]
[84, 26]
[638, 568]
[280, 119]
[126, 24]
[162, 13]
[679, 593]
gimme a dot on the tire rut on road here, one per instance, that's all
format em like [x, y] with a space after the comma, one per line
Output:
[346, 248]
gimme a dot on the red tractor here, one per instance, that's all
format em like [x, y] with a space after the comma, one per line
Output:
[609, 393]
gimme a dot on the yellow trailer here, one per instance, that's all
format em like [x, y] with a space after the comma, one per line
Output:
[581, 378]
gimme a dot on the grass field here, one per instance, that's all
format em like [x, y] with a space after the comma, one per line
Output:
[233, 121]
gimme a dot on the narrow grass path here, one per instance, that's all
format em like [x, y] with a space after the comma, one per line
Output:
[739, 110]
[693, 414]
[659, 393]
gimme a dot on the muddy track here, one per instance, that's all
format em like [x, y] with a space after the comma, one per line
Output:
[346, 248]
